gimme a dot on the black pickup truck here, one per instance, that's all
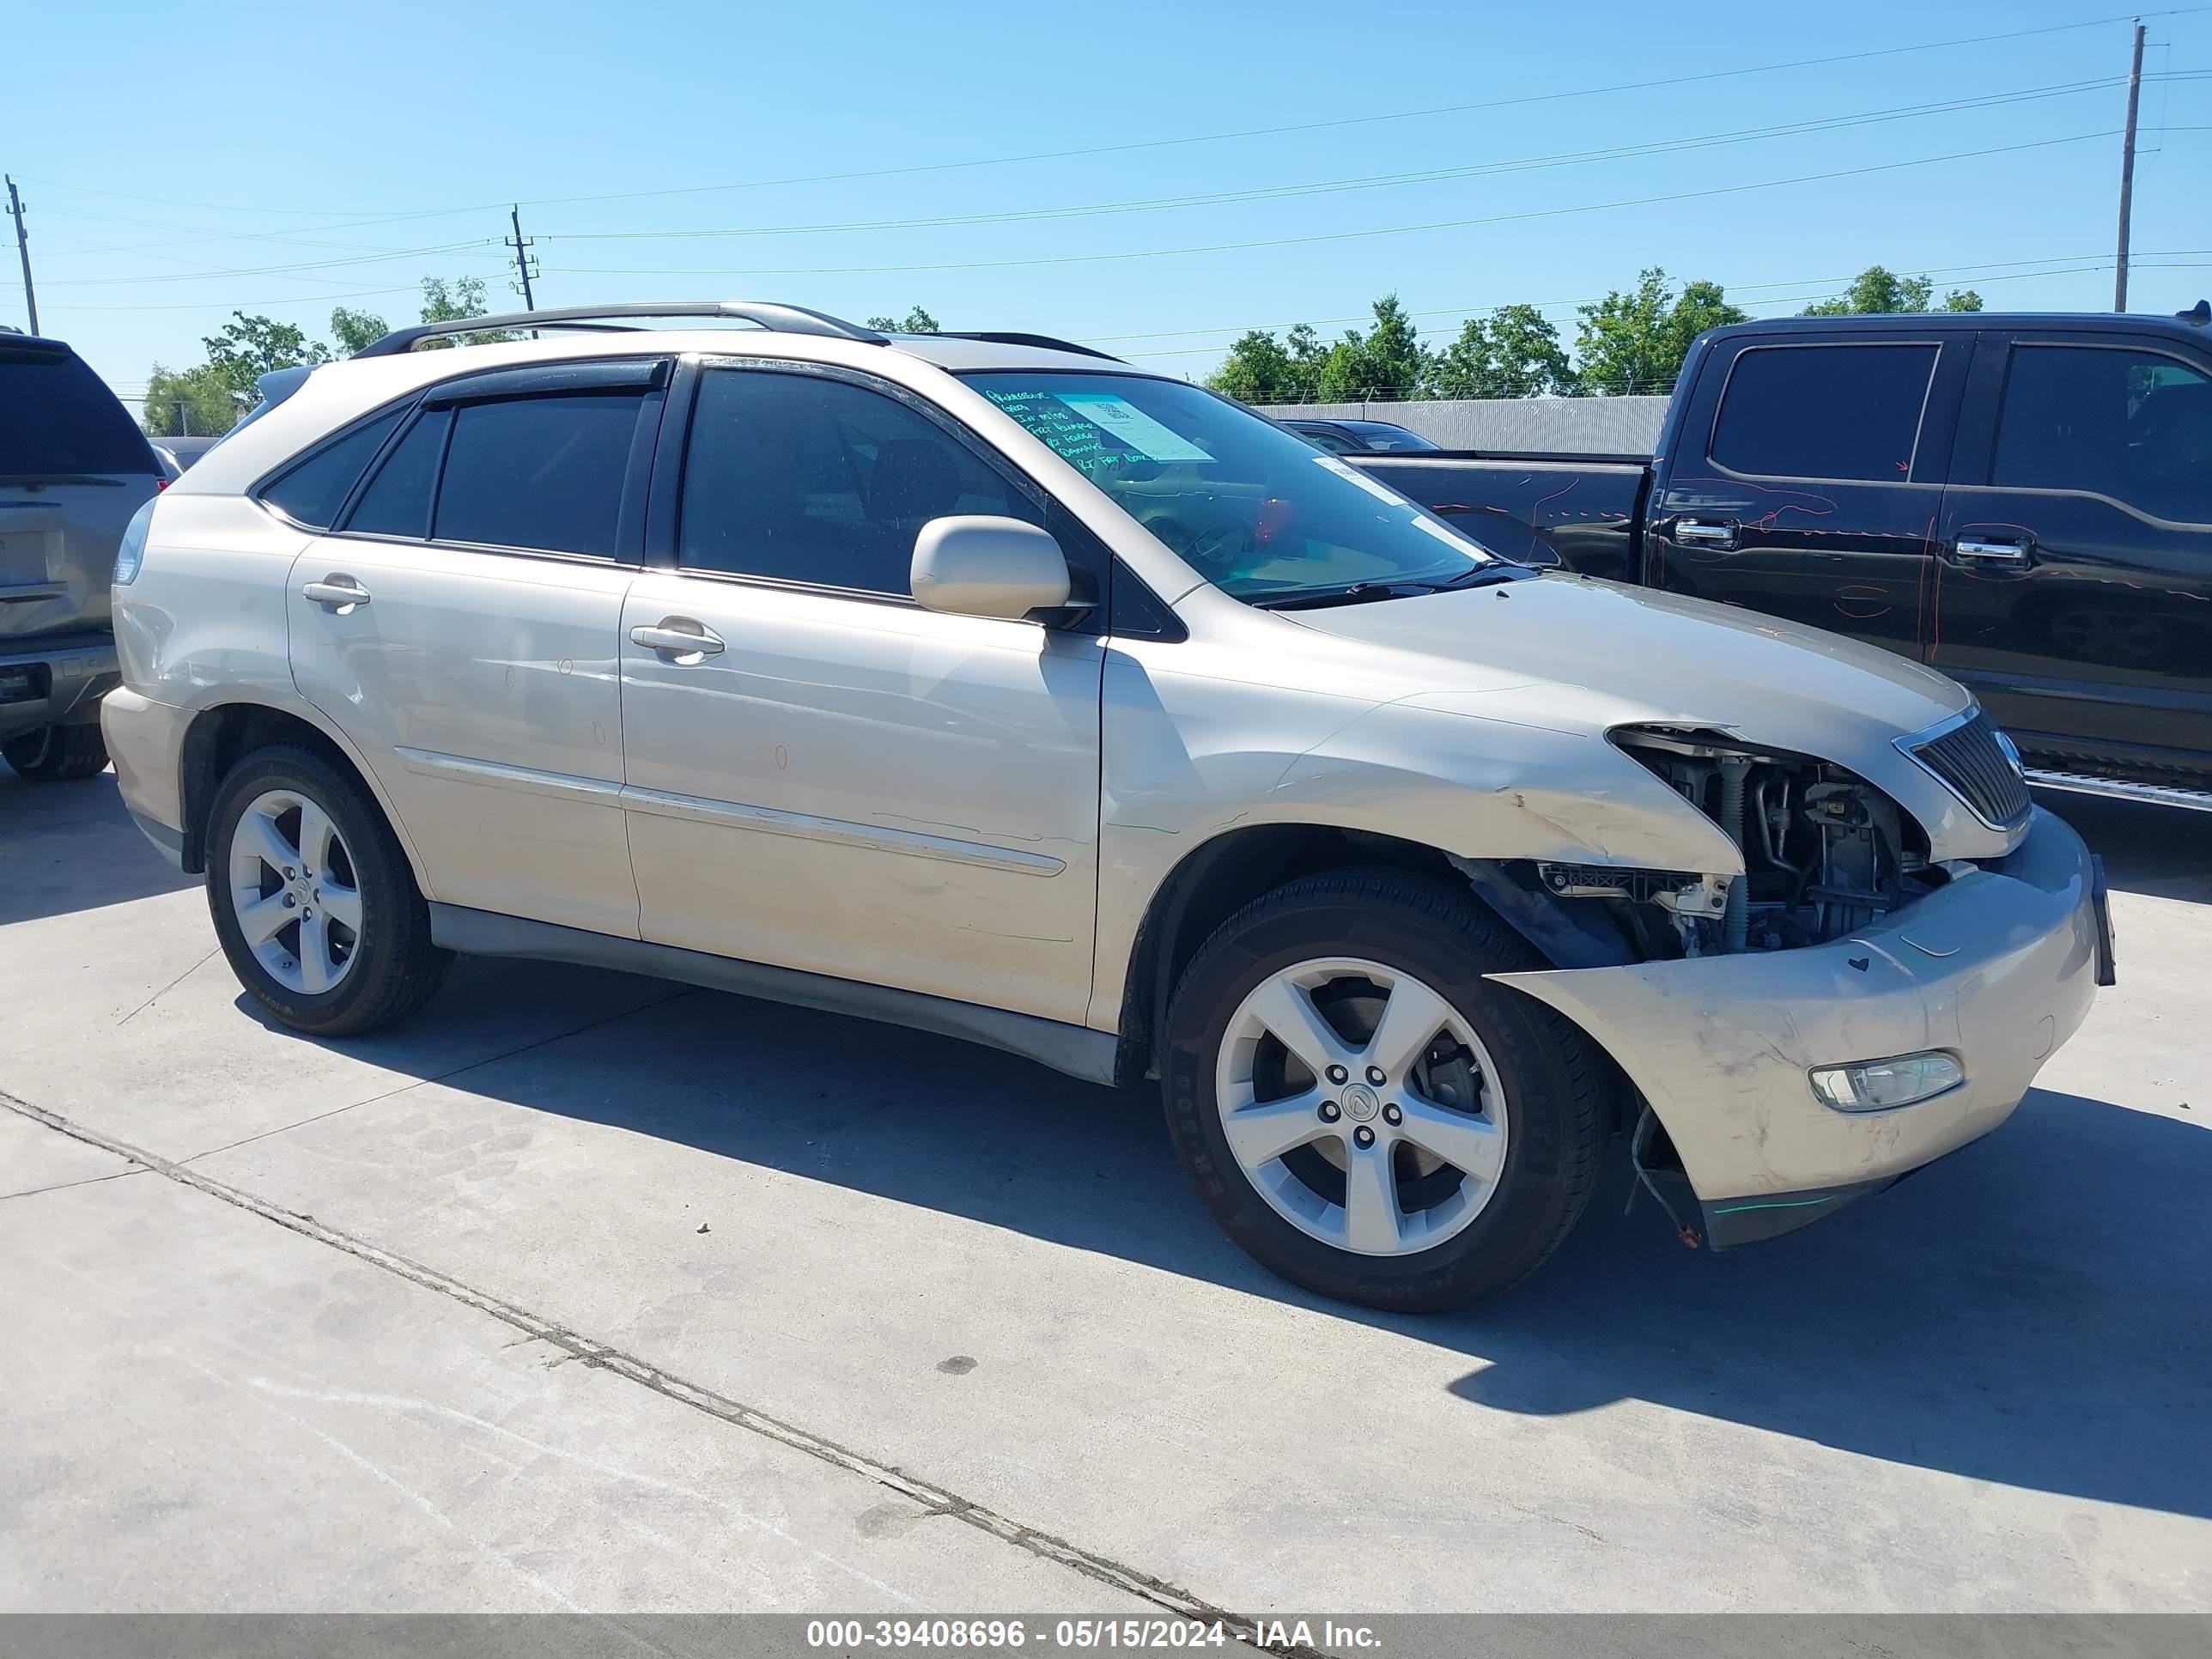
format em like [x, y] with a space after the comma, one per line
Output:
[2023, 502]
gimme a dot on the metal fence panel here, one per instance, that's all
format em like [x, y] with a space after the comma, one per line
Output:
[1571, 426]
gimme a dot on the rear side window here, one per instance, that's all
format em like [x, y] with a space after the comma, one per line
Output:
[2131, 425]
[1824, 411]
[56, 417]
[538, 472]
[805, 479]
[398, 500]
[313, 492]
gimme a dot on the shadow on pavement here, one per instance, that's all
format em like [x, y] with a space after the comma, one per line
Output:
[2035, 1311]
[2032, 1311]
[68, 847]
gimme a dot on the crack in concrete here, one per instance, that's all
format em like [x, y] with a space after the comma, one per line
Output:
[935, 1499]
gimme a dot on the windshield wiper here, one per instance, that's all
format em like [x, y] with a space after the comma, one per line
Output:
[1357, 593]
[1368, 592]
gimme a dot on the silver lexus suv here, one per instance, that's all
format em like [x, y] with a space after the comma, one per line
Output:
[985, 685]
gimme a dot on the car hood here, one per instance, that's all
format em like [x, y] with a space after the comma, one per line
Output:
[1578, 652]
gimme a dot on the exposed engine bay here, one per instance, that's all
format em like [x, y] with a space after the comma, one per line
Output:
[1825, 854]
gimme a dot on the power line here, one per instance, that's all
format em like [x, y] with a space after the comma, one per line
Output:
[475, 243]
[1343, 235]
[2072, 263]
[1572, 158]
[366, 216]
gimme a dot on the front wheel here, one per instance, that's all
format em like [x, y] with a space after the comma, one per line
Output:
[313, 900]
[1362, 1110]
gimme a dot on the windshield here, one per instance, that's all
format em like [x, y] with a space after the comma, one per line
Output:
[1254, 509]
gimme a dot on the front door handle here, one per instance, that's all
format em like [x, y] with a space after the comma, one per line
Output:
[337, 593]
[679, 637]
[1699, 533]
[2012, 552]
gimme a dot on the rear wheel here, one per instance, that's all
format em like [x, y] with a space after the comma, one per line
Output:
[57, 754]
[313, 900]
[1362, 1110]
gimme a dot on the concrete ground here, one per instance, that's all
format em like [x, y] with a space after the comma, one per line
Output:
[595, 1292]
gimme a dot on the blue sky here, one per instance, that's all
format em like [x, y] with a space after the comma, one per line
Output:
[181, 161]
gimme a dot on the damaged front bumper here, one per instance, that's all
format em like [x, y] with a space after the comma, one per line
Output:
[1996, 969]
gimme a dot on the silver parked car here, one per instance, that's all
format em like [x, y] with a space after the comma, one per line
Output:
[74, 467]
[990, 686]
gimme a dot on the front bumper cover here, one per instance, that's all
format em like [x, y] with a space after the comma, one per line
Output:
[1998, 967]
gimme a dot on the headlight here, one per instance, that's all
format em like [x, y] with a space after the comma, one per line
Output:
[131, 552]
[1874, 1085]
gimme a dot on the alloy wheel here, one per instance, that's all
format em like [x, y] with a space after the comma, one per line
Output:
[1362, 1106]
[294, 891]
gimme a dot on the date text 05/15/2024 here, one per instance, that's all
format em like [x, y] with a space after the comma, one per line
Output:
[1006, 1635]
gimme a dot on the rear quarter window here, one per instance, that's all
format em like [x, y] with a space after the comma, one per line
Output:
[313, 492]
[1824, 411]
[58, 416]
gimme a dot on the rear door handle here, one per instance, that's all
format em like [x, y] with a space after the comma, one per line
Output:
[339, 593]
[1698, 532]
[679, 637]
[2015, 552]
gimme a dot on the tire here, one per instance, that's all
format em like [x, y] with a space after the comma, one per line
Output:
[57, 754]
[387, 968]
[1527, 1067]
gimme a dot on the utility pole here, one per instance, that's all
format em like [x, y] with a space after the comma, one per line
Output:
[518, 242]
[2127, 174]
[23, 252]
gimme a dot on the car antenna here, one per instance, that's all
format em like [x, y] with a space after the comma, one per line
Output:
[2199, 315]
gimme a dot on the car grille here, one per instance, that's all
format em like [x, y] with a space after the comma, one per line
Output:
[1972, 760]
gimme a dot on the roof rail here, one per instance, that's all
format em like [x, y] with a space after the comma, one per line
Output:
[783, 319]
[1043, 342]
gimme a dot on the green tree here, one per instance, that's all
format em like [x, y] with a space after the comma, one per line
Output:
[916, 321]
[1514, 353]
[249, 346]
[192, 402]
[1386, 362]
[1635, 342]
[456, 302]
[355, 329]
[1262, 369]
[1878, 291]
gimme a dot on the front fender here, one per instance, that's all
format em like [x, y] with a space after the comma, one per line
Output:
[1186, 756]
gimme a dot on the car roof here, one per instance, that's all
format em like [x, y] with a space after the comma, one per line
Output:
[335, 393]
[1951, 321]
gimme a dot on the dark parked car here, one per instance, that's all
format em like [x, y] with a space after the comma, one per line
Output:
[74, 468]
[1358, 437]
[2023, 502]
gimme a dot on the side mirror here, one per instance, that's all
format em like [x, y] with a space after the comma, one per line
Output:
[974, 566]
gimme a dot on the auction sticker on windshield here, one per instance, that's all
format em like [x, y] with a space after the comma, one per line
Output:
[1132, 426]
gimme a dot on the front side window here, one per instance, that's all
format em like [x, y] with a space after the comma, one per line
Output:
[806, 478]
[1252, 507]
[1824, 411]
[545, 473]
[2131, 425]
